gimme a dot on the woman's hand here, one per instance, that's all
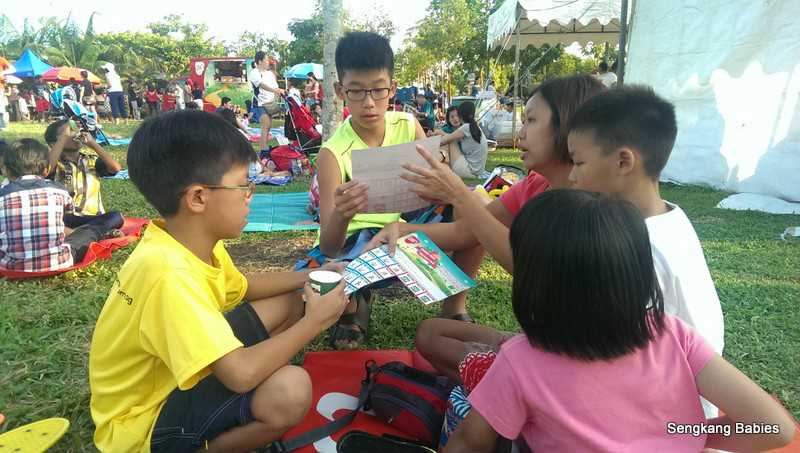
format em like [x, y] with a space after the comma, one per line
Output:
[349, 199]
[388, 236]
[436, 184]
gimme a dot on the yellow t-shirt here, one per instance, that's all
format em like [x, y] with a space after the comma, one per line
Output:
[160, 328]
[82, 180]
[400, 128]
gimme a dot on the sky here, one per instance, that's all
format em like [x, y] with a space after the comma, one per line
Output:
[224, 22]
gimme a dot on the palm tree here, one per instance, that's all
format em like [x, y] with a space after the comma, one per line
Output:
[69, 46]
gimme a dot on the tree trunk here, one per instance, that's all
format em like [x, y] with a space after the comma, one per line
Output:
[331, 104]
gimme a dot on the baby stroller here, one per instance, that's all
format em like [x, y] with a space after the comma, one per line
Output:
[62, 106]
[301, 126]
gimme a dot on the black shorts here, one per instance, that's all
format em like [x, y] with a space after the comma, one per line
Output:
[192, 417]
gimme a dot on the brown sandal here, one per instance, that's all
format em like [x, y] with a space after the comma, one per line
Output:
[353, 328]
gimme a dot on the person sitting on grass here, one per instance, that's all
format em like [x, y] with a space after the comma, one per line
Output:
[619, 141]
[32, 211]
[600, 366]
[468, 158]
[452, 121]
[188, 354]
[225, 104]
[543, 141]
[230, 116]
[365, 65]
[425, 113]
[80, 173]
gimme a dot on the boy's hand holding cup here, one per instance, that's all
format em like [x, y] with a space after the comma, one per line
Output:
[325, 299]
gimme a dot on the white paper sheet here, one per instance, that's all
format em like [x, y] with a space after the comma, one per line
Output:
[380, 170]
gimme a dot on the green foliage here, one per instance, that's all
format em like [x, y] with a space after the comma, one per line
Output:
[307, 43]
[307, 33]
[166, 50]
[250, 42]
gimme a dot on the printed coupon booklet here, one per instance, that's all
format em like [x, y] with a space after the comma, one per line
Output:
[418, 263]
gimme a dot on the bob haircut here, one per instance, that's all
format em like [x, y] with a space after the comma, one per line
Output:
[584, 282]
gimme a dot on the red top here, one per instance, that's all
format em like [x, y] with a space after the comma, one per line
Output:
[521, 192]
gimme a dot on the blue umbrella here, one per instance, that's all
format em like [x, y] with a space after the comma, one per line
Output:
[300, 71]
[30, 65]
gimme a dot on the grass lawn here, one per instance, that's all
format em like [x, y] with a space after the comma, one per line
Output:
[46, 325]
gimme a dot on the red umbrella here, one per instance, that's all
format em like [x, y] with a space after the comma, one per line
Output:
[62, 74]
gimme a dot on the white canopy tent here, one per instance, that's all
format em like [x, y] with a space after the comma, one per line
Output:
[539, 22]
[524, 23]
[732, 69]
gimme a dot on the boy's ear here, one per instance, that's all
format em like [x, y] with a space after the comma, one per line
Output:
[627, 160]
[339, 89]
[393, 86]
[195, 199]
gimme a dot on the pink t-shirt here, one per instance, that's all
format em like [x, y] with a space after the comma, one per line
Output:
[521, 192]
[561, 404]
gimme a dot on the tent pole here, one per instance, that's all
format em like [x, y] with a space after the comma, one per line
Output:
[516, 92]
[623, 42]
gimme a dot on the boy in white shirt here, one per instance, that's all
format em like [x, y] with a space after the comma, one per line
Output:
[619, 142]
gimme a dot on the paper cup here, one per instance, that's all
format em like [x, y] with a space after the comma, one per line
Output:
[324, 281]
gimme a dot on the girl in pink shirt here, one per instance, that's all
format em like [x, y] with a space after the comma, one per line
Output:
[600, 367]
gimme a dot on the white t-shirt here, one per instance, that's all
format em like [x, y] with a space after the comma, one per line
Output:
[256, 77]
[685, 280]
[114, 82]
[607, 78]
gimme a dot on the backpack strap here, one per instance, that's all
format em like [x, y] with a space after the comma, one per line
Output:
[309, 437]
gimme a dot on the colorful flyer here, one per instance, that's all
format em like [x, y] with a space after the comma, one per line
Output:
[418, 264]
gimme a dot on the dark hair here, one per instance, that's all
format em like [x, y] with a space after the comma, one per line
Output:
[452, 108]
[3, 149]
[260, 55]
[53, 130]
[564, 95]
[229, 116]
[171, 151]
[634, 116]
[363, 51]
[84, 74]
[311, 75]
[584, 283]
[466, 110]
[26, 157]
[603, 66]
[225, 100]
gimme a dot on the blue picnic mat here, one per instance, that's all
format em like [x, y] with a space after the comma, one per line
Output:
[118, 141]
[279, 212]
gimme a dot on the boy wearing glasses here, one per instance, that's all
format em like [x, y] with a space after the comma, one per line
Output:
[188, 353]
[365, 65]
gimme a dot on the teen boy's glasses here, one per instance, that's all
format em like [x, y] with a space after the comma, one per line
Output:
[359, 95]
[250, 188]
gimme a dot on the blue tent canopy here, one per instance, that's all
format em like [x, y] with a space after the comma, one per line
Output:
[30, 65]
[300, 71]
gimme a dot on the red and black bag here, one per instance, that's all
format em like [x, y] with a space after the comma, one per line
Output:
[410, 400]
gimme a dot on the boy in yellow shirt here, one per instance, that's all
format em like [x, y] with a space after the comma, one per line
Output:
[178, 360]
